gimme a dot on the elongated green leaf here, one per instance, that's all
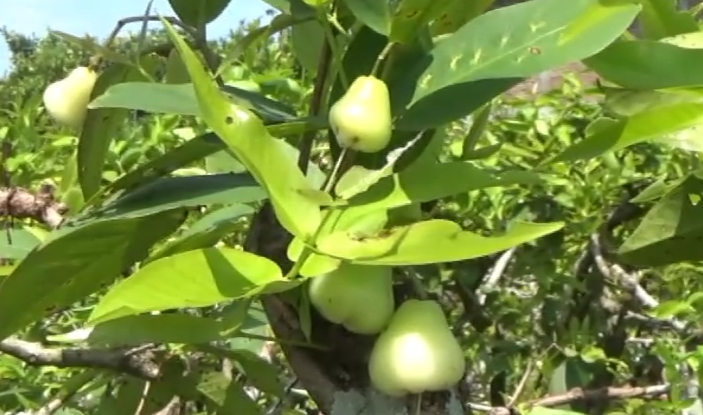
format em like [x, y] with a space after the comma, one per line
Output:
[189, 191]
[180, 99]
[410, 17]
[17, 243]
[193, 150]
[671, 231]
[646, 64]
[661, 18]
[162, 328]
[542, 34]
[248, 139]
[101, 124]
[456, 14]
[435, 181]
[74, 263]
[373, 13]
[198, 13]
[207, 231]
[198, 278]
[428, 242]
[647, 125]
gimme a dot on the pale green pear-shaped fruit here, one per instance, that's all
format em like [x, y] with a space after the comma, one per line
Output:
[67, 100]
[361, 119]
[417, 352]
[358, 297]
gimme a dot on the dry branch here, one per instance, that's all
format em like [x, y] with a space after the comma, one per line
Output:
[137, 361]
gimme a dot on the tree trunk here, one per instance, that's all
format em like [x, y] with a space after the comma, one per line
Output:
[336, 379]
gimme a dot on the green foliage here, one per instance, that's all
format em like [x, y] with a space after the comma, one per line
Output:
[558, 231]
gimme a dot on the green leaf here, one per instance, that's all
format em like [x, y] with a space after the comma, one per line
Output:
[207, 231]
[646, 64]
[238, 401]
[198, 278]
[542, 34]
[410, 17]
[647, 125]
[628, 102]
[198, 13]
[306, 38]
[162, 328]
[150, 97]
[248, 139]
[102, 124]
[75, 262]
[17, 243]
[189, 152]
[187, 191]
[180, 99]
[428, 242]
[671, 231]
[427, 182]
[373, 13]
[456, 14]
[662, 18]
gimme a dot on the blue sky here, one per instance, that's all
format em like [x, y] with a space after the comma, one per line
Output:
[98, 17]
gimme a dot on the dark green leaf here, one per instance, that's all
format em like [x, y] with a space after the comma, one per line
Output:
[646, 64]
[671, 231]
[188, 191]
[74, 263]
[198, 13]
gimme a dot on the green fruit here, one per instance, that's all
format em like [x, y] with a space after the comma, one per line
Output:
[359, 297]
[67, 100]
[361, 118]
[417, 352]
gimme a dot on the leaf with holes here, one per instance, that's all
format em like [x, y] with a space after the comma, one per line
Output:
[497, 50]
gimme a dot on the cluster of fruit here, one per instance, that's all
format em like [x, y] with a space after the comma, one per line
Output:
[415, 351]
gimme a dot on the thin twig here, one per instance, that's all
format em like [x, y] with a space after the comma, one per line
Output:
[496, 273]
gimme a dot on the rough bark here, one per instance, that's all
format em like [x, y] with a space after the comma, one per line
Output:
[336, 379]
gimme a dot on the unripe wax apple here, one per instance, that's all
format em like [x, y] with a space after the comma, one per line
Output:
[359, 297]
[417, 352]
[361, 119]
[67, 100]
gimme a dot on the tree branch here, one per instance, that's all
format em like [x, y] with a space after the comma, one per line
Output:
[139, 362]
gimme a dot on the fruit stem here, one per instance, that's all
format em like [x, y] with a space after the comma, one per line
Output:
[307, 251]
[334, 47]
[385, 53]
